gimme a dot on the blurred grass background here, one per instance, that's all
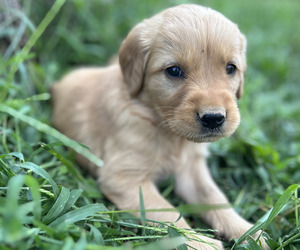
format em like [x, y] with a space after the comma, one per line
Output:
[253, 167]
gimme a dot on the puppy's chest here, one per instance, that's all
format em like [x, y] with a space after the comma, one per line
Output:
[165, 167]
[168, 160]
[174, 159]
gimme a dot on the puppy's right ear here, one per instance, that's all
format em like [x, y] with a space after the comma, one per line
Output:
[133, 57]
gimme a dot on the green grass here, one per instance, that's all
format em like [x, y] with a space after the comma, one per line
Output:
[47, 202]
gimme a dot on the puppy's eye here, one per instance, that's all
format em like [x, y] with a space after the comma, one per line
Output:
[174, 71]
[230, 69]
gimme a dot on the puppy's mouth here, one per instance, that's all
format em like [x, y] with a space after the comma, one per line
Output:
[198, 133]
[208, 135]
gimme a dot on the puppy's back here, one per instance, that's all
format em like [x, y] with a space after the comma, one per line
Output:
[77, 97]
[70, 96]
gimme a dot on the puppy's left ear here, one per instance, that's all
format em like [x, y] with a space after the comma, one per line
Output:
[133, 57]
[239, 92]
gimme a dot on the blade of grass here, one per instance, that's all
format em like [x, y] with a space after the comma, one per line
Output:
[53, 243]
[17, 135]
[63, 160]
[97, 236]
[163, 244]
[13, 189]
[252, 243]
[77, 215]
[44, 128]
[40, 149]
[18, 155]
[82, 242]
[41, 172]
[4, 129]
[269, 217]
[290, 240]
[138, 237]
[142, 208]
[39, 97]
[68, 244]
[97, 247]
[6, 169]
[36, 196]
[32, 40]
[283, 199]
[74, 195]
[296, 209]
[198, 208]
[47, 229]
[175, 234]
[13, 225]
[58, 206]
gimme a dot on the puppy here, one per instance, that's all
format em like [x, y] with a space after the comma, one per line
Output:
[176, 83]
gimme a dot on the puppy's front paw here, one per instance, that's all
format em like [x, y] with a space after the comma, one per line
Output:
[207, 244]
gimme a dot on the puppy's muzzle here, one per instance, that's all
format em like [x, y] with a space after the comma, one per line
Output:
[212, 119]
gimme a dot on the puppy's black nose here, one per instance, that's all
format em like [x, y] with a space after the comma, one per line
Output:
[212, 121]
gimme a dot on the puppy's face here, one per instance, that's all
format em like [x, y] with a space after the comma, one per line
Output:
[188, 67]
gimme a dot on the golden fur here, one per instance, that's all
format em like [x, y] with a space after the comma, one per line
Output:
[143, 122]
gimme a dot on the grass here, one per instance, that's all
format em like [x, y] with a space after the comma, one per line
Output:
[47, 202]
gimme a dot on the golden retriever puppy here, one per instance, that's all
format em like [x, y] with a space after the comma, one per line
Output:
[149, 115]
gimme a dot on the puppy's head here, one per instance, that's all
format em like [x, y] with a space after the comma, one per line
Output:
[187, 63]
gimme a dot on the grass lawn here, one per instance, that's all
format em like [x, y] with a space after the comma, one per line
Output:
[47, 202]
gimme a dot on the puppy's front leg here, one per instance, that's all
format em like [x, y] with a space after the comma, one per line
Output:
[127, 198]
[195, 185]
